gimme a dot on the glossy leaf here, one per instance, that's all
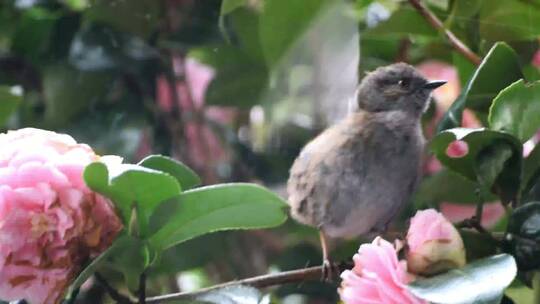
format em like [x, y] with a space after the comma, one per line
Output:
[509, 20]
[498, 69]
[132, 188]
[492, 157]
[490, 163]
[482, 281]
[523, 236]
[8, 103]
[214, 208]
[183, 174]
[447, 186]
[288, 18]
[516, 110]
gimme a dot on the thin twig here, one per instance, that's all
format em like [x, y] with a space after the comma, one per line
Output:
[403, 50]
[472, 223]
[479, 207]
[293, 276]
[142, 288]
[113, 293]
[438, 25]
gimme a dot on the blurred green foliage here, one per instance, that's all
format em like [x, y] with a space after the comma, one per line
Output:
[235, 88]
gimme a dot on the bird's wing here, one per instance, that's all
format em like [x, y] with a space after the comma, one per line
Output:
[313, 176]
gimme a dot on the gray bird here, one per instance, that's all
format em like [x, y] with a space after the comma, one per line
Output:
[354, 177]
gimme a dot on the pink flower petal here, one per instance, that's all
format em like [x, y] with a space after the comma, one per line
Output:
[377, 277]
[457, 149]
[49, 220]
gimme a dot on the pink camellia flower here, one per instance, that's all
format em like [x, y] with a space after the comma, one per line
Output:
[50, 222]
[377, 277]
[203, 146]
[457, 149]
[434, 244]
[536, 59]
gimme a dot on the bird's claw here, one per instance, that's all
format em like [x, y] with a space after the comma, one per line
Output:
[328, 271]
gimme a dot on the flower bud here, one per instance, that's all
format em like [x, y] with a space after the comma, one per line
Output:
[434, 244]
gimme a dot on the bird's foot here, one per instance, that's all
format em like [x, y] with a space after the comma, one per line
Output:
[329, 271]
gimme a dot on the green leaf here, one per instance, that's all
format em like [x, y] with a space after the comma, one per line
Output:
[282, 23]
[482, 281]
[404, 21]
[245, 23]
[214, 208]
[498, 69]
[68, 93]
[239, 80]
[8, 103]
[493, 157]
[490, 163]
[523, 236]
[464, 67]
[463, 22]
[240, 86]
[464, 9]
[31, 39]
[447, 186]
[228, 6]
[516, 110]
[183, 174]
[509, 20]
[132, 187]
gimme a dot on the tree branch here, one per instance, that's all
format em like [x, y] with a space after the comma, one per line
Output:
[438, 25]
[293, 276]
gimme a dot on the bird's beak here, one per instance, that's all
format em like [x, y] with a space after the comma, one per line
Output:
[431, 85]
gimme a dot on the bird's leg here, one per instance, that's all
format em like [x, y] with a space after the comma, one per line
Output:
[328, 271]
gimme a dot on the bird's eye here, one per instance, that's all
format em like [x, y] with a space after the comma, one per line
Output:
[403, 82]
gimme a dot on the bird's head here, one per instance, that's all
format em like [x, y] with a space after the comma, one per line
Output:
[396, 87]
